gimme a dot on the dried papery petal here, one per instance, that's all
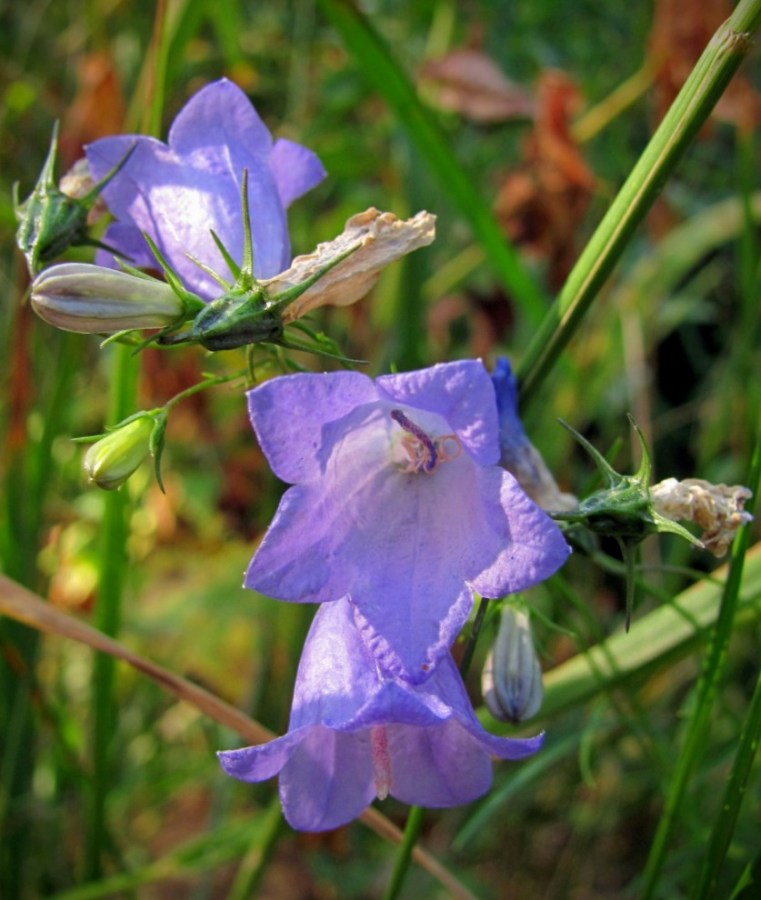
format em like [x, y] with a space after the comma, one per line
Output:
[380, 238]
[716, 508]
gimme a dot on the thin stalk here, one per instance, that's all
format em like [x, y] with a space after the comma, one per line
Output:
[729, 809]
[705, 692]
[687, 114]
[113, 548]
[416, 813]
[404, 853]
[254, 864]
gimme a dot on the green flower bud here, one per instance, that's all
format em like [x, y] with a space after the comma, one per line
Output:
[511, 681]
[95, 300]
[51, 220]
[111, 461]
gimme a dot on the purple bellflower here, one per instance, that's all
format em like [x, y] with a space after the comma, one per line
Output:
[397, 502]
[356, 733]
[179, 191]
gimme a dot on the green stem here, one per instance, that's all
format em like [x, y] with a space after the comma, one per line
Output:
[687, 114]
[415, 815]
[724, 826]
[404, 854]
[705, 692]
[113, 571]
[210, 381]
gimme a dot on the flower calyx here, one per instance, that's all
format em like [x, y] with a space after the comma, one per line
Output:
[51, 220]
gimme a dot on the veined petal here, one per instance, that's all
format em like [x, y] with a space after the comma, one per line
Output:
[363, 733]
[179, 192]
[458, 392]
[294, 443]
[393, 507]
[296, 170]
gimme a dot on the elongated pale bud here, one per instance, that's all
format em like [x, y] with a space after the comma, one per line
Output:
[111, 461]
[511, 681]
[95, 300]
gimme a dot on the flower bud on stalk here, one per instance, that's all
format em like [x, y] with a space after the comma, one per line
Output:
[511, 681]
[92, 299]
[111, 461]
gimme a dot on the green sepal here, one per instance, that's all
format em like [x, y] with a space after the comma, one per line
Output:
[51, 221]
[156, 444]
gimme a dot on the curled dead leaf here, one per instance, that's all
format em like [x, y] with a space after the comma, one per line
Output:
[380, 238]
[469, 82]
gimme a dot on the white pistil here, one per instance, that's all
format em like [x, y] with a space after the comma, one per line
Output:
[381, 761]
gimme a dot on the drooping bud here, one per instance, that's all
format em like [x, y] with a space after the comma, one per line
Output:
[50, 219]
[116, 456]
[92, 299]
[517, 454]
[511, 681]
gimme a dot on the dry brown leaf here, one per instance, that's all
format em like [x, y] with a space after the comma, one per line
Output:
[541, 202]
[22, 605]
[380, 238]
[469, 82]
[681, 30]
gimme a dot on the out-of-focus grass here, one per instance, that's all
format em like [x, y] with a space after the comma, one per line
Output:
[674, 340]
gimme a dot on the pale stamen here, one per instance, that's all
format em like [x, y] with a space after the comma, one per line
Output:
[423, 452]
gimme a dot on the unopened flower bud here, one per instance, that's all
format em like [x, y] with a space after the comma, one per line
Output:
[517, 454]
[95, 300]
[111, 461]
[511, 681]
[54, 218]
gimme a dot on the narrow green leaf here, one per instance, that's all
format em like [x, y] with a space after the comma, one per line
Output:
[386, 76]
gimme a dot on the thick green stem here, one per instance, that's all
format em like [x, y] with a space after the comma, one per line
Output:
[113, 571]
[688, 113]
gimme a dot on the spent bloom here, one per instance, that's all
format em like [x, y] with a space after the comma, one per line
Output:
[397, 502]
[180, 191]
[357, 733]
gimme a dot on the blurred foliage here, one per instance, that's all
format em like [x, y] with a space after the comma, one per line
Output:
[674, 340]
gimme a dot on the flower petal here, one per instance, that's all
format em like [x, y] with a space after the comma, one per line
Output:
[290, 415]
[328, 780]
[296, 170]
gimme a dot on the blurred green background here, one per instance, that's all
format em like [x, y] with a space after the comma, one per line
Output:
[545, 113]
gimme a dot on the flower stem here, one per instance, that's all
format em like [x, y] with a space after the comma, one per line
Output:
[404, 854]
[415, 815]
[687, 114]
[113, 570]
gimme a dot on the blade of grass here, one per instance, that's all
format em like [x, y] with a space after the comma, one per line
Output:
[705, 692]
[684, 119]
[729, 809]
[386, 76]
